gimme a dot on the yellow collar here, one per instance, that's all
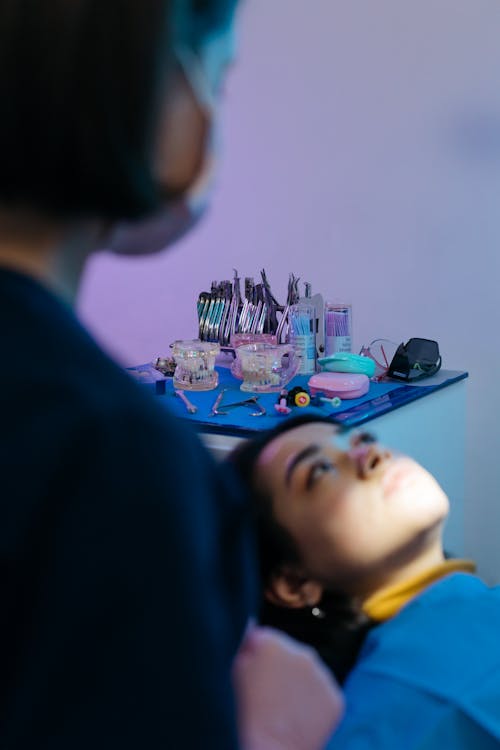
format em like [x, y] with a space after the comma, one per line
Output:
[386, 603]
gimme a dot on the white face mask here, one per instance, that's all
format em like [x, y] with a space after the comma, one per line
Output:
[205, 74]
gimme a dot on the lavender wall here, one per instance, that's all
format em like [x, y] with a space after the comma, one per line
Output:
[362, 152]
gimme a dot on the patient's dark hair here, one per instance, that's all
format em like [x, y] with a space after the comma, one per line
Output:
[79, 85]
[336, 627]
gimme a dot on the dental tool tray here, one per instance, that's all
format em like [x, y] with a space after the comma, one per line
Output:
[341, 384]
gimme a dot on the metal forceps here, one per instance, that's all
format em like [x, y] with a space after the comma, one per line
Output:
[253, 401]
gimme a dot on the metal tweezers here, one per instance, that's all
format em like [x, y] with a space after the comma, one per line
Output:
[253, 401]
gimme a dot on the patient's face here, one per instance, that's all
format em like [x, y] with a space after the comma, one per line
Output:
[354, 511]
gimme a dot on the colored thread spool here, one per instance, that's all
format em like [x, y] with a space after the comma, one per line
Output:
[302, 399]
[298, 396]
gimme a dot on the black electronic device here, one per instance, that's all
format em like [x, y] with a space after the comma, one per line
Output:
[418, 358]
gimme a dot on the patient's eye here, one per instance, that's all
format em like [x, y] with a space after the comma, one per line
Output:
[317, 470]
[364, 437]
[367, 437]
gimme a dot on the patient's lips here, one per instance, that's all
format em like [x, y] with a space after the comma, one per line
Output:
[400, 473]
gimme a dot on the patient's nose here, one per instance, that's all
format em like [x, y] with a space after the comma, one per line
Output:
[369, 459]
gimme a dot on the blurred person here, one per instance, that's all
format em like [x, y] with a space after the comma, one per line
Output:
[126, 561]
[352, 563]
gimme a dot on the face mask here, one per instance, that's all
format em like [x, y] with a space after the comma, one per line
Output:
[204, 74]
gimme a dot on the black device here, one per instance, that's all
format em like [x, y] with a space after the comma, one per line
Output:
[418, 358]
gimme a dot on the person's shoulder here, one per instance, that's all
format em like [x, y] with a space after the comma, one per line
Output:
[382, 713]
[445, 608]
[80, 405]
[66, 402]
[132, 417]
[445, 641]
[83, 379]
[453, 597]
[136, 428]
[426, 672]
[445, 599]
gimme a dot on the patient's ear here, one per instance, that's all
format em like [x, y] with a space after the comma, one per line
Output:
[291, 587]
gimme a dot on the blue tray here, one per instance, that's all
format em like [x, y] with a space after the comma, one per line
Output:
[380, 399]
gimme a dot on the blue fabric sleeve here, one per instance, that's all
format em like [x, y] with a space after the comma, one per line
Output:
[382, 714]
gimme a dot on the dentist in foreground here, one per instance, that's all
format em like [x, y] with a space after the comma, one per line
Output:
[126, 560]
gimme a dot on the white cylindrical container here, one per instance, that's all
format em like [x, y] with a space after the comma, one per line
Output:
[301, 318]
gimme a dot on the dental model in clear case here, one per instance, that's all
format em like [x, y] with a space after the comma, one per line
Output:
[195, 365]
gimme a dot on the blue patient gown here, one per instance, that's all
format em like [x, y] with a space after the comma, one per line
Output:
[429, 679]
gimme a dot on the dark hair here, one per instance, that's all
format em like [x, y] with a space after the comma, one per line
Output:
[336, 627]
[79, 83]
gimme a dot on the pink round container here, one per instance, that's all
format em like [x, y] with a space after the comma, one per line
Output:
[341, 384]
